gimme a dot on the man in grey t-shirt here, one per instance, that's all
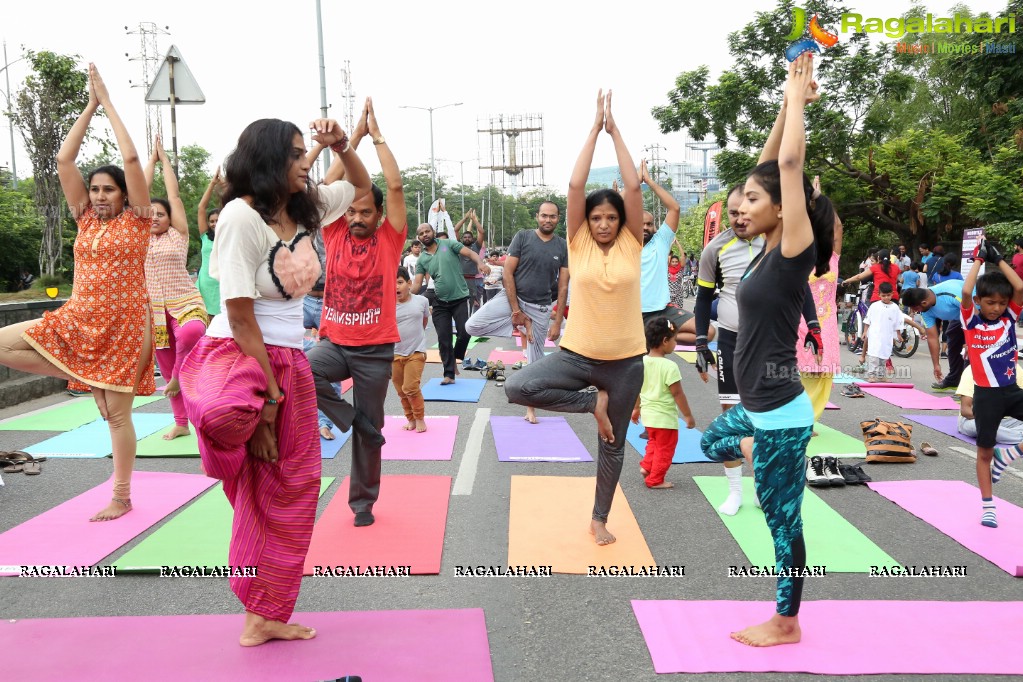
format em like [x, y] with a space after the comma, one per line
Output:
[537, 260]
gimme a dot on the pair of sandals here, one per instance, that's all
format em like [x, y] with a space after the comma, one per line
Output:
[495, 371]
[19, 461]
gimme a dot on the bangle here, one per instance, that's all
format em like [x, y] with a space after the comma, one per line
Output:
[379, 140]
[275, 401]
[342, 145]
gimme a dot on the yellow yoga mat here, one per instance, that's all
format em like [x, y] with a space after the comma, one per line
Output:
[549, 525]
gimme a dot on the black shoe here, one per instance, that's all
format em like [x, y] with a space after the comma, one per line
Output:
[831, 471]
[864, 478]
[815, 476]
[366, 430]
[364, 518]
[849, 474]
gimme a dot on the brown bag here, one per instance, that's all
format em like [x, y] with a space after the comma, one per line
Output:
[888, 441]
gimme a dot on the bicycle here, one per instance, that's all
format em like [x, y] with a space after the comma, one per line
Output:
[688, 286]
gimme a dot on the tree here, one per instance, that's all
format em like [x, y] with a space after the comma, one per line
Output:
[19, 232]
[53, 96]
[193, 178]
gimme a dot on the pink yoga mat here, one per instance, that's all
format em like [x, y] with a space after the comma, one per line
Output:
[883, 384]
[64, 536]
[378, 645]
[832, 406]
[346, 385]
[910, 398]
[551, 439]
[547, 343]
[947, 424]
[953, 507]
[508, 357]
[909, 637]
[437, 442]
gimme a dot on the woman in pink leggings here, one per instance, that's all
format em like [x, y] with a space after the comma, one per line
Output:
[179, 314]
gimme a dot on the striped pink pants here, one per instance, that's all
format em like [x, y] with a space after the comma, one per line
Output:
[274, 504]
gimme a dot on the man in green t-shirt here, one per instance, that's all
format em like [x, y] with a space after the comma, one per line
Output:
[440, 260]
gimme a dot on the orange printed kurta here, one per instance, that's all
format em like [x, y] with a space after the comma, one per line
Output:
[96, 336]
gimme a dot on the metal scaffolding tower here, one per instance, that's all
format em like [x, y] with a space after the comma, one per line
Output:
[348, 95]
[151, 57]
[520, 161]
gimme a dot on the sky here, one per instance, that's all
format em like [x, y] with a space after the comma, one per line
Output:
[528, 56]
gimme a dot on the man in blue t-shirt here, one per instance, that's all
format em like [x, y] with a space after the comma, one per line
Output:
[941, 302]
[654, 291]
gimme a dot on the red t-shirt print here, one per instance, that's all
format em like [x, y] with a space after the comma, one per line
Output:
[359, 296]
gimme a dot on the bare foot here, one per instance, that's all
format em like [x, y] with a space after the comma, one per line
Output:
[643, 472]
[115, 510]
[172, 389]
[447, 380]
[420, 425]
[662, 486]
[531, 415]
[176, 432]
[778, 630]
[598, 529]
[604, 429]
[326, 433]
[259, 630]
[410, 426]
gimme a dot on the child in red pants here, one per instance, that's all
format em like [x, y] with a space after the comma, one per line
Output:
[657, 402]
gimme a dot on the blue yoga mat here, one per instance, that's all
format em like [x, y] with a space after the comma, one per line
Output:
[686, 452]
[330, 448]
[843, 379]
[93, 439]
[462, 391]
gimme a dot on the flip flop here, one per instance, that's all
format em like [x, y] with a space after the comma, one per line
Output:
[928, 449]
[32, 468]
[21, 456]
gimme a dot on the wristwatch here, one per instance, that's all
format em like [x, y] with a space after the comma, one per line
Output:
[379, 140]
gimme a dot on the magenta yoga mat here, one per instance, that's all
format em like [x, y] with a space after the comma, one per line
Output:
[547, 343]
[924, 637]
[953, 507]
[883, 384]
[64, 536]
[377, 645]
[910, 398]
[508, 357]
[437, 442]
[947, 424]
[549, 440]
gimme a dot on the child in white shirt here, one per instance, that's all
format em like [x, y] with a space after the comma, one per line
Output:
[881, 329]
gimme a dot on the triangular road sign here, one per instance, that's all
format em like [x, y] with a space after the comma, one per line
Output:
[186, 90]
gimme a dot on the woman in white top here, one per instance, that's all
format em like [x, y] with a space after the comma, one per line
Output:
[247, 384]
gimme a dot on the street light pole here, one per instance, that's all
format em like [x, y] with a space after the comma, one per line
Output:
[433, 163]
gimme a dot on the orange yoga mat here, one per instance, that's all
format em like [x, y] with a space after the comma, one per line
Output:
[433, 355]
[411, 515]
[549, 525]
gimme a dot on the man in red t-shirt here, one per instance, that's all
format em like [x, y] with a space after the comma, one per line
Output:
[1017, 259]
[359, 325]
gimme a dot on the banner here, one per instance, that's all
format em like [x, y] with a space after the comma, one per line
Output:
[971, 237]
[712, 222]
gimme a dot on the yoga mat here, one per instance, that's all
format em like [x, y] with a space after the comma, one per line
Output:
[409, 530]
[689, 356]
[198, 536]
[508, 357]
[953, 507]
[547, 343]
[330, 448]
[427, 646]
[910, 398]
[346, 385]
[947, 424]
[713, 345]
[64, 536]
[182, 446]
[93, 439]
[462, 391]
[437, 442]
[551, 439]
[433, 356]
[832, 406]
[65, 416]
[883, 384]
[829, 441]
[549, 521]
[473, 342]
[912, 637]
[843, 379]
[688, 450]
[831, 541]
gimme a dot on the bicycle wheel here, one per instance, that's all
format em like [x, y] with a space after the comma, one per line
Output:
[908, 345]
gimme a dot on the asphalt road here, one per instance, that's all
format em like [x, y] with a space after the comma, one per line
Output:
[564, 627]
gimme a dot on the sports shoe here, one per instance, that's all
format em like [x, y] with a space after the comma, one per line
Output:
[852, 391]
[364, 518]
[857, 347]
[864, 478]
[469, 365]
[848, 474]
[78, 394]
[944, 355]
[939, 386]
[481, 364]
[815, 476]
[831, 471]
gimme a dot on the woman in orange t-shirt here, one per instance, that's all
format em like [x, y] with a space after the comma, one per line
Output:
[605, 344]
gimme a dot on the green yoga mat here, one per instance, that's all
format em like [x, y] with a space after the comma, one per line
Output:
[473, 342]
[65, 416]
[156, 446]
[828, 441]
[198, 536]
[831, 541]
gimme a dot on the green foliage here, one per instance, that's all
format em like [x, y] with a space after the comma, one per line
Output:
[193, 178]
[20, 233]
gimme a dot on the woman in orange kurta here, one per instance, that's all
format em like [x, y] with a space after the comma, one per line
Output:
[101, 337]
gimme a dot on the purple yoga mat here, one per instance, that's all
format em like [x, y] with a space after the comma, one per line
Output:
[437, 442]
[64, 536]
[946, 424]
[924, 637]
[378, 645]
[953, 507]
[550, 440]
[910, 398]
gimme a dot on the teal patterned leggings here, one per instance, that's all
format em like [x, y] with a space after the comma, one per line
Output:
[779, 472]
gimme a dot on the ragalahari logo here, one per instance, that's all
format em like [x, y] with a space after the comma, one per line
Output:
[818, 36]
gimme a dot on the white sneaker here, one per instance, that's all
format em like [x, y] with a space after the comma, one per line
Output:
[815, 475]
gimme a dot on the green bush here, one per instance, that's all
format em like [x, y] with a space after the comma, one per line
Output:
[50, 281]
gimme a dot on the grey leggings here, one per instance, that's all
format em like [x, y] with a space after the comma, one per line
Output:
[555, 383]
